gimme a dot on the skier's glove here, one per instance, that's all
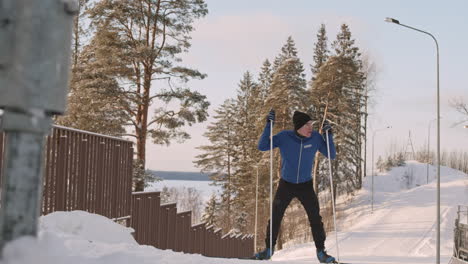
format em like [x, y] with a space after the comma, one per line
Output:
[326, 127]
[271, 116]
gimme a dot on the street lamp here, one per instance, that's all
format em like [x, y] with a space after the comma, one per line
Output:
[428, 148]
[372, 170]
[394, 21]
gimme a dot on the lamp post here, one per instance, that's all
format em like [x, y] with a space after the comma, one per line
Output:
[372, 170]
[428, 149]
[394, 21]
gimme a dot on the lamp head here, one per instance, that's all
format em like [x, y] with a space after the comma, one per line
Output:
[392, 20]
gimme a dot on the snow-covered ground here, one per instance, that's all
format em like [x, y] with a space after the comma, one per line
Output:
[401, 229]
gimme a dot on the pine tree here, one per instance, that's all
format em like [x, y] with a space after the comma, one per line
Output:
[320, 51]
[350, 59]
[154, 33]
[249, 108]
[287, 51]
[264, 80]
[95, 101]
[320, 58]
[389, 163]
[344, 46]
[210, 215]
[241, 222]
[217, 157]
[380, 164]
[400, 159]
[339, 84]
[79, 32]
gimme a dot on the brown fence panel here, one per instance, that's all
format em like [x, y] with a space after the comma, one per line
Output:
[203, 234]
[178, 232]
[129, 168]
[217, 243]
[162, 238]
[85, 171]
[167, 226]
[224, 245]
[171, 227]
[196, 239]
[82, 172]
[208, 242]
[187, 234]
[60, 172]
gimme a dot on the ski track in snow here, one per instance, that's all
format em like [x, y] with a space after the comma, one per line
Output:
[402, 227]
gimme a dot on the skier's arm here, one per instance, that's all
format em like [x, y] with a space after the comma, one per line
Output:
[264, 141]
[323, 146]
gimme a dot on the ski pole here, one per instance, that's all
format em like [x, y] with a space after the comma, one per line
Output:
[271, 186]
[333, 196]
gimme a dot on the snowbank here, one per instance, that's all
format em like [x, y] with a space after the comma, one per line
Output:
[82, 238]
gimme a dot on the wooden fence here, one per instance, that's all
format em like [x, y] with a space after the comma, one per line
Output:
[85, 171]
[161, 226]
[92, 172]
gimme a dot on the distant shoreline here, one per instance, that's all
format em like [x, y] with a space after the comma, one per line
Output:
[181, 175]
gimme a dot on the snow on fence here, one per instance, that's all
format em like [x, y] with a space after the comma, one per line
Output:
[93, 172]
[160, 225]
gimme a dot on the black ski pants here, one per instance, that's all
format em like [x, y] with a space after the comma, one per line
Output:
[304, 192]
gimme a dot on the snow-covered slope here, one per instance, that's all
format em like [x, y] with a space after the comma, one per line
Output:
[401, 229]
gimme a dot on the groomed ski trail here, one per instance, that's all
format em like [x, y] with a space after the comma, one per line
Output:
[402, 228]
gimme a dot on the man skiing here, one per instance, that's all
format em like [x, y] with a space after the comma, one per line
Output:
[297, 148]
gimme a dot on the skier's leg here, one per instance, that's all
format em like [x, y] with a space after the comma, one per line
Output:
[308, 199]
[283, 197]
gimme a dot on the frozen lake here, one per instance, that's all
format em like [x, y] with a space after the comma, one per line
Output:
[203, 187]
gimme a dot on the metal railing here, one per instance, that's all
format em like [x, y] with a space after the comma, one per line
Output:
[460, 249]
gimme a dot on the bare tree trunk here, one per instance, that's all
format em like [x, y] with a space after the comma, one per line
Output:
[142, 130]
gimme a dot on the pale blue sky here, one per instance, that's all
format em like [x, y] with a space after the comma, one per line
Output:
[239, 35]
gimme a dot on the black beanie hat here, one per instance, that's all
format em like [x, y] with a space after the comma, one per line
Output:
[300, 119]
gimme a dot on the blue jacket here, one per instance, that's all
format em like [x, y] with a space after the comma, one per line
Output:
[297, 153]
